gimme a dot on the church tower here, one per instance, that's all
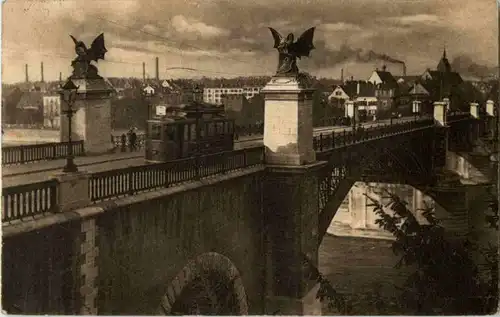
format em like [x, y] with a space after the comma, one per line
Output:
[444, 65]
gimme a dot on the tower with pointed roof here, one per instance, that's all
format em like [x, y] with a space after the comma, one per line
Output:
[444, 65]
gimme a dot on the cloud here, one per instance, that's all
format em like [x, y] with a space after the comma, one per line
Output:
[339, 27]
[205, 32]
[407, 20]
[182, 24]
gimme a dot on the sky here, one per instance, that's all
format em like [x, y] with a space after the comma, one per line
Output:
[227, 38]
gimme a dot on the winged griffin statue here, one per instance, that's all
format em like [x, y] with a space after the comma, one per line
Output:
[289, 50]
[82, 67]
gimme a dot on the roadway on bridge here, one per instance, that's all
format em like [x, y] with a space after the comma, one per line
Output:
[14, 175]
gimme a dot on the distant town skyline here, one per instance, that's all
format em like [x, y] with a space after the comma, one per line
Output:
[224, 38]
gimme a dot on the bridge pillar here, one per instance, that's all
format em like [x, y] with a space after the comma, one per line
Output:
[490, 121]
[357, 205]
[291, 194]
[440, 108]
[288, 126]
[92, 120]
[73, 191]
[474, 110]
[292, 212]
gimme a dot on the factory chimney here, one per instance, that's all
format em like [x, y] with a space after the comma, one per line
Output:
[60, 77]
[41, 72]
[26, 72]
[342, 75]
[157, 69]
[143, 72]
[404, 69]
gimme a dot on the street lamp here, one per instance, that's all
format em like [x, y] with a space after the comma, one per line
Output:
[68, 93]
[196, 91]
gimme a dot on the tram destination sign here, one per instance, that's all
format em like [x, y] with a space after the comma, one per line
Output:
[161, 110]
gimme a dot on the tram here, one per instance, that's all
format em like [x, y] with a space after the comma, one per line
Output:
[187, 130]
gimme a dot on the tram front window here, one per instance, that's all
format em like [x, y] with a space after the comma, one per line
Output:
[155, 131]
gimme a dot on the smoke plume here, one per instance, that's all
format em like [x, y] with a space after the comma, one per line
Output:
[466, 66]
[326, 57]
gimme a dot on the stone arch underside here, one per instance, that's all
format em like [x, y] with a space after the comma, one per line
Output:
[208, 285]
[404, 160]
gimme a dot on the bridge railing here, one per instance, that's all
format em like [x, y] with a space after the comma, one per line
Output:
[29, 200]
[131, 180]
[39, 152]
[122, 141]
[333, 140]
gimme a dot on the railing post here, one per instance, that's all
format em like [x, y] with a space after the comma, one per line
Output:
[22, 153]
[73, 190]
[54, 146]
[130, 182]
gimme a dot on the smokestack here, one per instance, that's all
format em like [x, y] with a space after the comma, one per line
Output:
[157, 69]
[60, 77]
[404, 69]
[143, 72]
[41, 72]
[26, 72]
[342, 75]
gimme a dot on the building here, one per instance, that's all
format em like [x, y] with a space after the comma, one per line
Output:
[363, 93]
[386, 88]
[443, 82]
[149, 90]
[52, 111]
[338, 93]
[215, 95]
[382, 77]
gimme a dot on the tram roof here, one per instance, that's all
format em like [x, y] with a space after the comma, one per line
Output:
[200, 107]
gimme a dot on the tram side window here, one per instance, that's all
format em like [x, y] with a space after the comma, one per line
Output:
[170, 132]
[192, 127]
[186, 132]
[155, 131]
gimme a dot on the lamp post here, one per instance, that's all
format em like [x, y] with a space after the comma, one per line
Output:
[68, 93]
[196, 90]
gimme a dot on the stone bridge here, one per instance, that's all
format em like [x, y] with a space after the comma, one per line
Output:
[228, 239]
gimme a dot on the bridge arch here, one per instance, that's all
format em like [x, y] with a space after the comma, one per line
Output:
[210, 284]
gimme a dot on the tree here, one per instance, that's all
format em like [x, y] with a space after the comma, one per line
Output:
[441, 265]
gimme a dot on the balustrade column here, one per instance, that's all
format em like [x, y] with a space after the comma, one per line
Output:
[73, 190]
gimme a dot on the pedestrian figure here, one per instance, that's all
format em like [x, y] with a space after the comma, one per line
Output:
[124, 142]
[133, 140]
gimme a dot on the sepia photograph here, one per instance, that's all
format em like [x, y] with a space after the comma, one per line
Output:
[224, 157]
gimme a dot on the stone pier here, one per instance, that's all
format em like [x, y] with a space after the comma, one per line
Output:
[92, 120]
[290, 195]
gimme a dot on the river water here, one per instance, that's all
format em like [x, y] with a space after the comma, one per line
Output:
[358, 267]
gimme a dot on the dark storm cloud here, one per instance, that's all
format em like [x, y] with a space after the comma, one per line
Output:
[465, 65]
[188, 29]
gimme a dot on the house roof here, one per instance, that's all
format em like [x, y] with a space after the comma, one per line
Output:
[387, 78]
[366, 89]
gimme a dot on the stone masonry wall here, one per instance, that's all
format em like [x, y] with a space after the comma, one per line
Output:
[145, 242]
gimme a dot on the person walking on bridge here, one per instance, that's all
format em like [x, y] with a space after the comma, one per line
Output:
[132, 138]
